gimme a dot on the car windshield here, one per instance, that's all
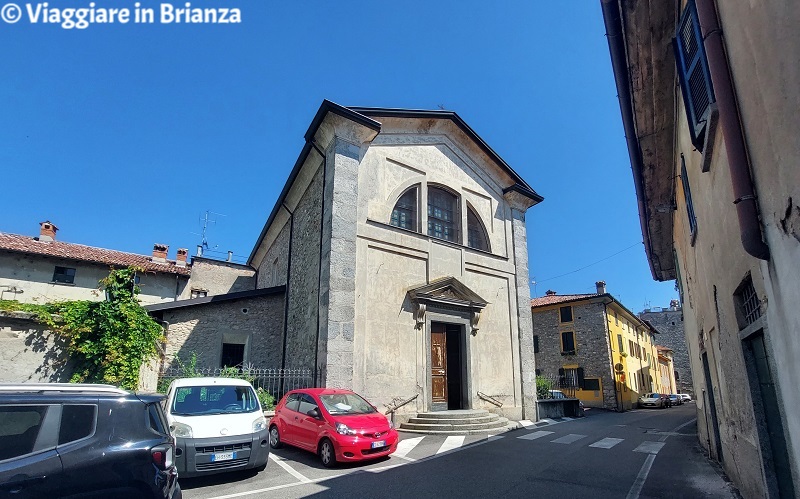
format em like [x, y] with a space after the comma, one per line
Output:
[346, 403]
[214, 399]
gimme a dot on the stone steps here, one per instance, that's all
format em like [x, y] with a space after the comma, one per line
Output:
[462, 422]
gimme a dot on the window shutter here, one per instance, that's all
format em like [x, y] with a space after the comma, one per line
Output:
[693, 73]
[580, 378]
[560, 378]
[536, 344]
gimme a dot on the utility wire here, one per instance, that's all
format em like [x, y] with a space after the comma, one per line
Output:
[587, 266]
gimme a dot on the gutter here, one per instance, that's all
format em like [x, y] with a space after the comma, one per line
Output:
[616, 46]
[730, 121]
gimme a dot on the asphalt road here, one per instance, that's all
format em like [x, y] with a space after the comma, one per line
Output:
[642, 453]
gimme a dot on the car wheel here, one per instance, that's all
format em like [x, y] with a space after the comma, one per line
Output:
[275, 437]
[327, 453]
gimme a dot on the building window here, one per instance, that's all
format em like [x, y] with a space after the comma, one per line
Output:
[747, 303]
[693, 73]
[566, 314]
[591, 384]
[687, 195]
[621, 344]
[568, 343]
[199, 293]
[536, 344]
[571, 377]
[232, 355]
[630, 347]
[442, 214]
[616, 319]
[404, 214]
[476, 232]
[64, 275]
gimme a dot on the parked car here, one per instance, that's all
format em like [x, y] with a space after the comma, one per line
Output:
[218, 426]
[651, 400]
[685, 397]
[675, 399]
[83, 440]
[338, 425]
[666, 399]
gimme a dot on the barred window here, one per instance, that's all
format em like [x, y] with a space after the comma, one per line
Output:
[476, 232]
[404, 214]
[442, 214]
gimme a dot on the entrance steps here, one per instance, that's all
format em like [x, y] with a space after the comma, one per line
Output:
[461, 422]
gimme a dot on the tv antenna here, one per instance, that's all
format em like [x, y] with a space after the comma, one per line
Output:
[205, 220]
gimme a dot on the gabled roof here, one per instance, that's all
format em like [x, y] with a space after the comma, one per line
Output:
[447, 291]
[78, 252]
[554, 299]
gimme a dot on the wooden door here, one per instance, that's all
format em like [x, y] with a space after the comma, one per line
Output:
[438, 364]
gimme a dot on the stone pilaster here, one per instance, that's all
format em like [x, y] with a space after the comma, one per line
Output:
[524, 322]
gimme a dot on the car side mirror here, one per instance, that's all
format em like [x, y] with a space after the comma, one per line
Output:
[314, 413]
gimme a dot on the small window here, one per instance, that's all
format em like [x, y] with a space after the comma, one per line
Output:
[199, 293]
[476, 232]
[566, 314]
[232, 355]
[630, 347]
[19, 429]
[591, 384]
[442, 214]
[567, 342]
[616, 319]
[687, 196]
[404, 214]
[64, 275]
[748, 306]
[536, 344]
[77, 422]
[621, 344]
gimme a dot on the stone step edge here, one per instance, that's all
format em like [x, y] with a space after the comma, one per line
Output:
[451, 415]
[486, 426]
[511, 426]
[487, 419]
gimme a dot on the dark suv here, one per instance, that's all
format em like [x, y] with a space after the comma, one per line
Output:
[81, 440]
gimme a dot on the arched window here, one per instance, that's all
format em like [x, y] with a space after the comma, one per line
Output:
[404, 214]
[476, 233]
[442, 214]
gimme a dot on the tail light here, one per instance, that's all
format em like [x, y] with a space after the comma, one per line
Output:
[163, 456]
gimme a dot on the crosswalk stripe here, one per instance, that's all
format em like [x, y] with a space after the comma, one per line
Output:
[406, 445]
[568, 439]
[548, 421]
[606, 443]
[649, 447]
[492, 438]
[536, 434]
[567, 419]
[526, 423]
[452, 442]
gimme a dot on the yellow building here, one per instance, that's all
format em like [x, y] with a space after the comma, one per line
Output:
[594, 348]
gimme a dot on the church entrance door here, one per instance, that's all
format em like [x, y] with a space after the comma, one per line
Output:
[447, 366]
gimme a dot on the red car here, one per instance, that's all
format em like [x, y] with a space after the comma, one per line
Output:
[338, 425]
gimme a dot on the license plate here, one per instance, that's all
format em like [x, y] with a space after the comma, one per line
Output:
[223, 456]
[379, 443]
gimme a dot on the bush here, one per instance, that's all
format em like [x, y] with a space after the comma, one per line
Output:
[543, 387]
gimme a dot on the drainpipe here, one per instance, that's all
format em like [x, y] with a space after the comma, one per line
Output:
[730, 121]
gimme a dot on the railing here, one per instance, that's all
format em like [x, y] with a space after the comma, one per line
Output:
[555, 387]
[275, 381]
[391, 409]
[489, 399]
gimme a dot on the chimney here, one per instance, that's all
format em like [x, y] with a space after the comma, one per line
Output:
[601, 287]
[199, 250]
[160, 253]
[550, 292]
[47, 231]
[230, 256]
[180, 260]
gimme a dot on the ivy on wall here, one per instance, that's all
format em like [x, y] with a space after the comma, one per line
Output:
[108, 341]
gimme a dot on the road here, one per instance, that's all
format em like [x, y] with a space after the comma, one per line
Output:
[642, 453]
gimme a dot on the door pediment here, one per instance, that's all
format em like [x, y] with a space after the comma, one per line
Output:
[446, 292]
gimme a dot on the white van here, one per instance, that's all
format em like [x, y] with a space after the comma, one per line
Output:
[218, 426]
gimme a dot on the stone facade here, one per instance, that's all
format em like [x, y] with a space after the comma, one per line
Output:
[669, 323]
[29, 353]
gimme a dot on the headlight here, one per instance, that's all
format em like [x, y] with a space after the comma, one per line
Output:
[391, 425]
[180, 430]
[259, 424]
[343, 429]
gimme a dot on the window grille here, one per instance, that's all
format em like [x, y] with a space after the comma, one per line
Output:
[404, 214]
[442, 211]
[749, 304]
[476, 233]
[64, 274]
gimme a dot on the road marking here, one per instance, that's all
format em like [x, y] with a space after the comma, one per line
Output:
[649, 447]
[636, 488]
[492, 438]
[453, 442]
[568, 439]
[406, 445]
[549, 421]
[567, 419]
[606, 443]
[526, 423]
[535, 435]
[289, 469]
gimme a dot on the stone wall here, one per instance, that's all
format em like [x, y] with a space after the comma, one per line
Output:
[669, 324]
[257, 322]
[29, 353]
[274, 267]
[591, 343]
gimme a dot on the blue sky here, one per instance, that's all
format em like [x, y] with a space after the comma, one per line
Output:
[125, 135]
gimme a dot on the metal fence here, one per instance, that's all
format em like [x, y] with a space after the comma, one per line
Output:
[555, 386]
[275, 381]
